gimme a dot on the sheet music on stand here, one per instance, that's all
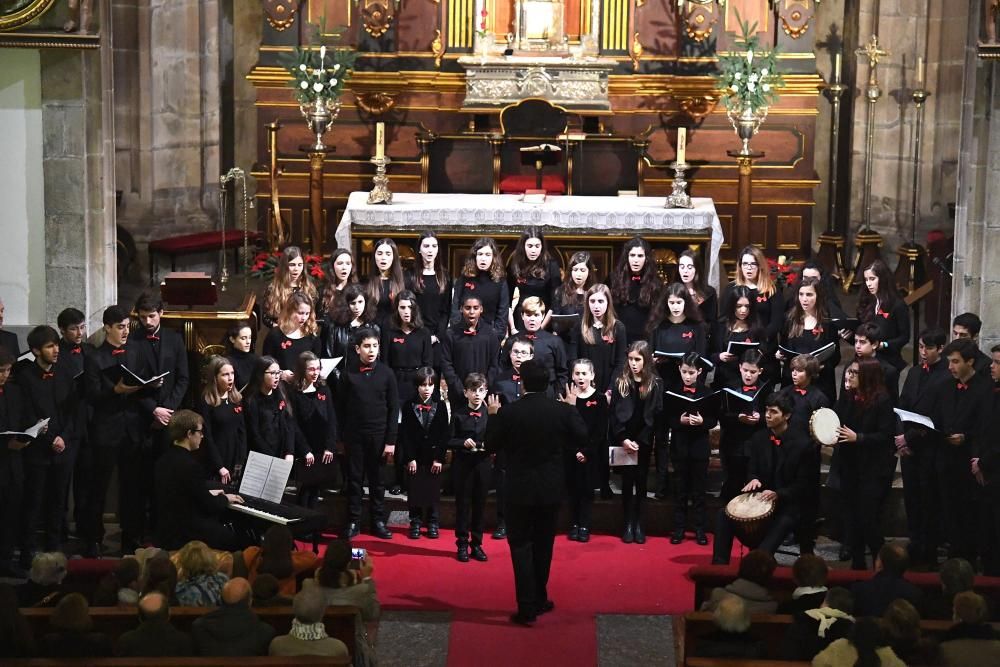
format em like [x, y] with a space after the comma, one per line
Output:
[265, 477]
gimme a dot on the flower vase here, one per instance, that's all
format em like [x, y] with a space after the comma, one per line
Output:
[319, 115]
[746, 123]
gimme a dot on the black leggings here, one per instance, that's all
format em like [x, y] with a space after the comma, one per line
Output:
[634, 483]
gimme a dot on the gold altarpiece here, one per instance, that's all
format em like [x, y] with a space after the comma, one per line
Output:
[661, 57]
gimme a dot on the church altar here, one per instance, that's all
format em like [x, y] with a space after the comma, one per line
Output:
[574, 83]
[478, 214]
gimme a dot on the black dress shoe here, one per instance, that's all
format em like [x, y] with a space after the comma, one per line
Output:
[719, 561]
[433, 531]
[479, 554]
[414, 533]
[501, 532]
[583, 535]
[463, 553]
[677, 537]
[353, 530]
[91, 550]
[844, 554]
[545, 607]
[607, 493]
[640, 534]
[660, 495]
[628, 537]
[379, 530]
[700, 537]
[524, 620]
[396, 490]
[574, 533]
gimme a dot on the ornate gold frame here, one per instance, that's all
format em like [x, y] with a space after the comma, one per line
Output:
[35, 9]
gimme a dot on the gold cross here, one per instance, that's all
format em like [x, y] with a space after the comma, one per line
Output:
[872, 51]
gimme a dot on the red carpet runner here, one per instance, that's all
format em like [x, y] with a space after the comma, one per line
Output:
[603, 576]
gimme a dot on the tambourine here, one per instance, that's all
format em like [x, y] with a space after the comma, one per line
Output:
[824, 425]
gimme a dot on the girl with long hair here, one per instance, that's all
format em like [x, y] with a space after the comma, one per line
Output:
[432, 287]
[570, 297]
[635, 287]
[315, 416]
[675, 326]
[355, 311]
[532, 271]
[754, 272]
[385, 280]
[880, 304]
[340, 273]
[807, 329]
[295, 333]
[221, 409]
[406, 344]
[703, 294]
[738, 324]
[239, 351]
[866, 451]
[290, 277]
[483, 277]
[270, 424]
[635, 403]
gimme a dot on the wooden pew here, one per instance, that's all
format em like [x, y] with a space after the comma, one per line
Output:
[115, 621]
[262, 661]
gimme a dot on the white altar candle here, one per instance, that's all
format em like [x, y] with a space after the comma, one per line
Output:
[920, 71]
[379, 141]
[836, 68]
[682, 135]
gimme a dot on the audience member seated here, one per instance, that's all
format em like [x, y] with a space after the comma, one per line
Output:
[160, 577]
[751, 584]
[71, 635]
[44, 585]
[872, 597]
[120, 587]
[813, 630]
[732, 637]
[266, 592]
[901, 625]
[972, 641]
[809, 573]
[155, 637]
[16, 638]
[232, 629]
[344, 581]
[200, 582]
[864, 646]
[278, 556]
[957, 576]
[308, 634]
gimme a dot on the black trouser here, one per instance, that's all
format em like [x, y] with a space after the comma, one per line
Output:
[471, 476]
[581, 492]
[689, 486]
[499, 477]
[864, 495]
[11, 490]
[44, 504]
[634, 482]
[427, 514]
[83, 471]
[781, 524]
[531, 531]
[990, 529]
[131, 461]
[957, 509]
[921, 499]
[662, 463]
[364, 460]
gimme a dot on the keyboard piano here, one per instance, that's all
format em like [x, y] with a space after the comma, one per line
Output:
[302, 521]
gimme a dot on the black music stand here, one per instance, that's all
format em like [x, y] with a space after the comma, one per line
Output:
[189, 288]
[544, 155]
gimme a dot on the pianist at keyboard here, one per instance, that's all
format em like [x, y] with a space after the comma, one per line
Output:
[186, 508]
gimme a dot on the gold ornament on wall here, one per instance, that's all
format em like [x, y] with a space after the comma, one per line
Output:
[437, 48]
[699, 20]
[280, 14]
[636, 51]
[376, 103]
[698, 107]
[377, 16]
[795, 17]
[16, 13]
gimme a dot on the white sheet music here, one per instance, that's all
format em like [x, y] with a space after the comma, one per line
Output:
[327, 365]
[265, 477]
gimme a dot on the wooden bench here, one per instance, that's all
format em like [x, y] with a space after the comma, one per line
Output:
[188, 244]
[257, 661]
[115, 621]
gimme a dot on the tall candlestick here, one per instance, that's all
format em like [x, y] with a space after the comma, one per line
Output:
[836, 68]
[379, 141]
[920, 71]
[682, 134]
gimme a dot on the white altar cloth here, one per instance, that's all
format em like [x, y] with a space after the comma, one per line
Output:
[486, 214]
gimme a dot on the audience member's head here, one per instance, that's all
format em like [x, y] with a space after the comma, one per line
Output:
[161, 576]
[810, 571]
[309, 605]
[892, 559]
[969, 607]
[154, 607]
[335, 562]
[125, 575]
[237, 592]
[957, 576]
[267, 591]
[839, 598]
[901, 623]
[72, 614]
[15, 633]
[866, 637]
[276, 552]
[48, 569]
[196, 559]
[731, 614]
[757, 566]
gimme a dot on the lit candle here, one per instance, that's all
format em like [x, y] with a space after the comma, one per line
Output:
[682, 135]
[920, 71]
[836, 67]
[379, 141]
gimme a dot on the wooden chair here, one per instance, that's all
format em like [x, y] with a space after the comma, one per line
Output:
[533, 120]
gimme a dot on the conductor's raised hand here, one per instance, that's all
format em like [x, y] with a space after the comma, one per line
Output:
[572, 392]
[492, 404]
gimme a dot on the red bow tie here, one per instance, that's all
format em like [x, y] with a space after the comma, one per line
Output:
[48, 375]
[961, 386]
[883, 314]
[751, 387]
[281, 405]
[75, 350]
[470, 285]
[761, 299]
[475, 414]
[689, 390]
[776, 440]
[607, 339]
[531, 336]
[321, 397]
[636, 279]
[818, 331]
[926, 367]
[522, 281]
[470, 332]
[153, 337]
[515, 377]
[1, 391]
[687, 334]
[238, 409]
[118, 350]
[800, 392]
[365, 369]
[285, 344]
[398, 340]
[424, 407]
[747, 340]
[591, 404]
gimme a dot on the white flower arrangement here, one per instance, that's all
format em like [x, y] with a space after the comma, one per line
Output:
[749, 77]
[319, 73]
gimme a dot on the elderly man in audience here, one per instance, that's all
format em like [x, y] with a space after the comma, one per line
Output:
[44, 585]
[232, 629]
[872, 597]
[812, 630]
[72, 634]
[972, 641]
[732, 637]
[155, 636]
[308, 634]
[809, 573]
[754, 576]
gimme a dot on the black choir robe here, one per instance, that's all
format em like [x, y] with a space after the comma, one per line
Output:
[225, 439]
[286, 350]
[270, 426]
[495, 297]
[404, 353]
[467, 351]
[607, 353]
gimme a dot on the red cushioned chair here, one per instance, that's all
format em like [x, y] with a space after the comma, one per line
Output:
[533, 120]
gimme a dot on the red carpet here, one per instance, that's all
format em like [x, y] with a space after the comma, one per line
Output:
[603, 576]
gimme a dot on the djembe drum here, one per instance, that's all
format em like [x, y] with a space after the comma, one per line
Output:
[750, 515]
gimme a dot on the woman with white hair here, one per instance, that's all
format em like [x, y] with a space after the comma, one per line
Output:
[44, 585]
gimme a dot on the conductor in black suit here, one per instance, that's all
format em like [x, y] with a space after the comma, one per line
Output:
[534, 434]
